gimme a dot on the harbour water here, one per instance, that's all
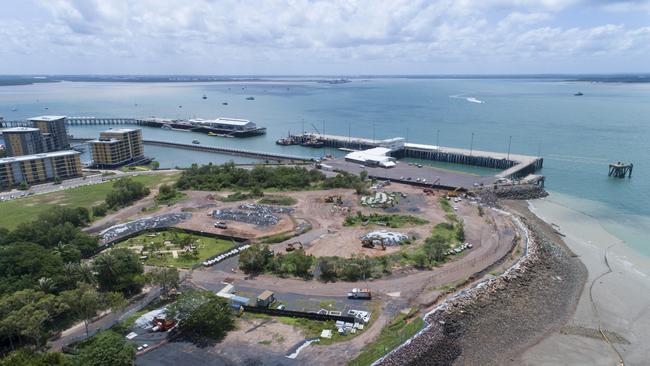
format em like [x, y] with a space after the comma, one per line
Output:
[577, 136]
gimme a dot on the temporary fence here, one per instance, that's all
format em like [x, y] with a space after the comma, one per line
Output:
[299, 314]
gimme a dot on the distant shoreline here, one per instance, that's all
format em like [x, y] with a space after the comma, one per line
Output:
[14, 80]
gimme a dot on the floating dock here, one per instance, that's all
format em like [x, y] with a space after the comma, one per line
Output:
[513, 165]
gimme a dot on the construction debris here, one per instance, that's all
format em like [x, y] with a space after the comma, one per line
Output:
[260, 215]
[383, 237]
[380, 199]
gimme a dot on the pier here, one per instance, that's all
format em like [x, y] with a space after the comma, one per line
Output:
[513, 165]
[78, 121]
[220, 150]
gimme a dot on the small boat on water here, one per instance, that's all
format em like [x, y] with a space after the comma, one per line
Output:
[578, 94]
[250, 98]
[196, 142]
[313, 143]
[14, 109]
[225, 103]
[212, 134]
[205, 96]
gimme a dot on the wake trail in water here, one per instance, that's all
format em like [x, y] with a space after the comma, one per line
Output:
[469, 99]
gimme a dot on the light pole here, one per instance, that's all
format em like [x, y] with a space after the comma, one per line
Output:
[349, 132]
[373, 133]
[509, 143]
[471, 145]
[438, 138]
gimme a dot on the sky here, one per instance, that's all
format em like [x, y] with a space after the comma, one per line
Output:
[311, 37]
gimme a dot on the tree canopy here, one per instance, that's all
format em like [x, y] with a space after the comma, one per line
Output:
[119, 270]
[202, 313]
[106, 349]
[124, 192]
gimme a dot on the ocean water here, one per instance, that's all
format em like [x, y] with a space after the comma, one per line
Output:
[577, 136]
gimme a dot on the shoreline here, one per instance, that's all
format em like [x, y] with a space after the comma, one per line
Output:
[494, 323]
[615, 300]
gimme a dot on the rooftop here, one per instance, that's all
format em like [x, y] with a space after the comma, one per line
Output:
[225, 121]
[47, 118]
[121, 130]
[20, 129]
[53, 154]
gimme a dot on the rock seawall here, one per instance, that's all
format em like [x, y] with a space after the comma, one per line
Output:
[491, 323]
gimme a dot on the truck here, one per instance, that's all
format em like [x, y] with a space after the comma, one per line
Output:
[360, 293]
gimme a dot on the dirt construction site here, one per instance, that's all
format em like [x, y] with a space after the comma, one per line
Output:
[316, 221]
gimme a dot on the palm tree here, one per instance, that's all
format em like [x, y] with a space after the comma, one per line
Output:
[85, 273]
[106, 263]
[45, 284]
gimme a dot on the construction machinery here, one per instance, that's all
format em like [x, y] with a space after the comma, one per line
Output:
[373, 243]
[293, 246]
[334, 199]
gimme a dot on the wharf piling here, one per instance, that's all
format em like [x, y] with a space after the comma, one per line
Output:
[620, 170]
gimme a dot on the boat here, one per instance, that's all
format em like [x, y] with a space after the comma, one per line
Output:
[14, 109]
[196, 142]
[312, 142]
[212, 134]
[250, 98]
[286, 141]
[225, 103]
[578, 94]
[204, 96]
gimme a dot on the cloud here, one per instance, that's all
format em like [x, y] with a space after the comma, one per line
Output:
[152, 35]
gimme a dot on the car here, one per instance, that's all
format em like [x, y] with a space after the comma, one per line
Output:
[281, 307]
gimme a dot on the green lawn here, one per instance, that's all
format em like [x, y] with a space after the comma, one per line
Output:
[26, 209]
[206, 247]
[394, 334]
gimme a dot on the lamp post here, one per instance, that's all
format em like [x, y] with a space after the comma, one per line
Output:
[509, 143]
[471, 145]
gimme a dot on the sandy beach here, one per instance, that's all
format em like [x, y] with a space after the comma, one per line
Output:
[615, 299]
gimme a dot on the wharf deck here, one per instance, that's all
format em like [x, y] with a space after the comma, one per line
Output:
[513, 165]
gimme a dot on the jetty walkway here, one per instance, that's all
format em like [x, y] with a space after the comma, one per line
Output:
[219, 150]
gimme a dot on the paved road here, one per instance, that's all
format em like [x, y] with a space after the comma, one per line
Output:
[78, 332]
[73, 183]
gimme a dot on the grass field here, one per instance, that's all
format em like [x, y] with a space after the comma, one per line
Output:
[26, 209]
[162, 256]
[394, 334]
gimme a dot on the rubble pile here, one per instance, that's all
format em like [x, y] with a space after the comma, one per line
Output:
[387, 238]
[260, 215]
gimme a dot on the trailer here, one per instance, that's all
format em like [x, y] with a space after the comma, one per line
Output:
[360, 293]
